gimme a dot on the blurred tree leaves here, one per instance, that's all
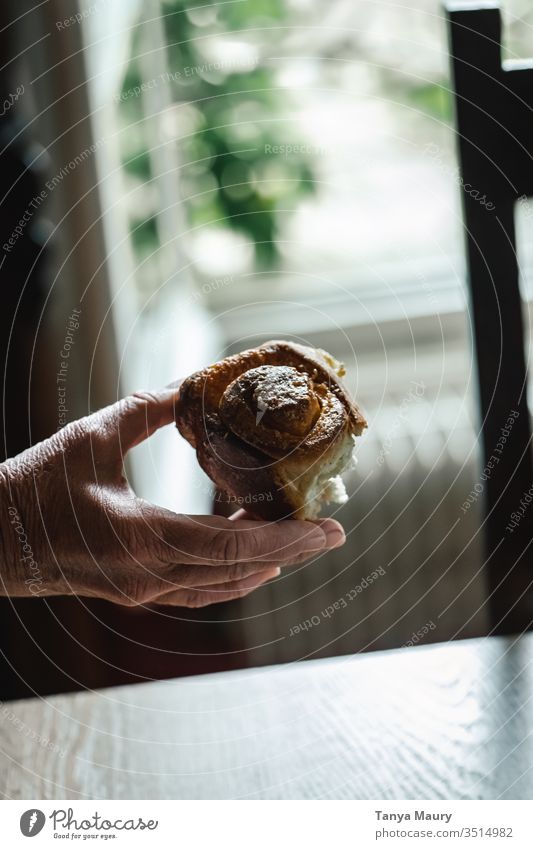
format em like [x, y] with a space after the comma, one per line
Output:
[239, 113]
[433, 99]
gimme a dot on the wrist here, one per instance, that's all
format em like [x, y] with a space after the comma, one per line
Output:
[19, 570]
[10, 579]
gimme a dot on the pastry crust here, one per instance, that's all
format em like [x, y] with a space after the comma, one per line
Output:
[269, 422]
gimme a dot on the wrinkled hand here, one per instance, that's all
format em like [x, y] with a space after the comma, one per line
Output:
[71, 524]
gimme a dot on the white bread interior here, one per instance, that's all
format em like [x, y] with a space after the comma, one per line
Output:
[322, 484]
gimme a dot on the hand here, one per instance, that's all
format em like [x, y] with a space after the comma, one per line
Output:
[71, 525]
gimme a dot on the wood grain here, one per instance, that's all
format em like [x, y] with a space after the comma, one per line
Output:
[446, 722]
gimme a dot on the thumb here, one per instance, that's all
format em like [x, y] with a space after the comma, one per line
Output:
[136, 417]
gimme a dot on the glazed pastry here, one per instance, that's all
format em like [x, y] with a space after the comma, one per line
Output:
[273, 427]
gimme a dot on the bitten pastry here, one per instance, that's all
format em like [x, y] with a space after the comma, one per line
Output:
[273, 427]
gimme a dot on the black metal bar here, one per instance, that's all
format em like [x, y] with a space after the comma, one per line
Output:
[494, 122]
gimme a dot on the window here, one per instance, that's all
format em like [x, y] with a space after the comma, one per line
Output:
[288, 168]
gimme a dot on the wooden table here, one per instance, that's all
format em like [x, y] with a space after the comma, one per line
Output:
[446, 722]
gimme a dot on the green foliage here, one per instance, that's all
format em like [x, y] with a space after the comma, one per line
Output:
[433, 99]
[230, 175]
[144, 234]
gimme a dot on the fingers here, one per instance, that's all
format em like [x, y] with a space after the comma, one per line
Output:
[215, 540]
[333, 530]
[148, 584]
[331, 527]
[241, 514]
[214, 594]
[244, 514]
[136, 417]
[200, 576]
[151, 585]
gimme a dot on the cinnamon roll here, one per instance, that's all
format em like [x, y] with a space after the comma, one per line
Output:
[273, 427]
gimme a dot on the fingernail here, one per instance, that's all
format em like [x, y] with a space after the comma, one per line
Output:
[267, 575]
[315, 541]
[335, 538]
[334, 533]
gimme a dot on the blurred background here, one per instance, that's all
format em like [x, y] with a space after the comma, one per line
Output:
[216, 175]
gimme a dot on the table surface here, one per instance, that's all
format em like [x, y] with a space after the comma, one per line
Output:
[445, 722]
